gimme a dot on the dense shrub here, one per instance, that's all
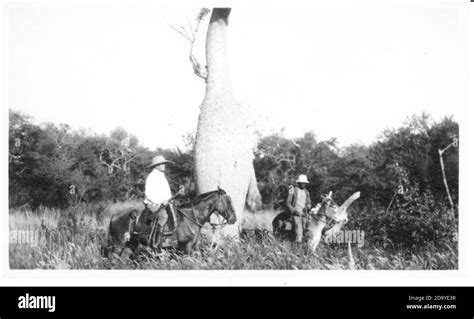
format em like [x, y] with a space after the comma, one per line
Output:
[54, 166]
[414, 220]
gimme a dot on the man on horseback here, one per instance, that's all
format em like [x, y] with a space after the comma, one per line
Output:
[299, 203]
[157, 194]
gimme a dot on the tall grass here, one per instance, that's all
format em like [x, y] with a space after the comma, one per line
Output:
[73, 239]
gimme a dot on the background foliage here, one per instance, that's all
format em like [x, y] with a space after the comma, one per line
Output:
[57, 167]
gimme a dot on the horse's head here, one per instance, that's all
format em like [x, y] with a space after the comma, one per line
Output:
[332, 209]
[218, 202]
[224, 206]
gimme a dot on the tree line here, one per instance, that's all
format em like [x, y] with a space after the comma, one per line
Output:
[55, 166]
[403, 202]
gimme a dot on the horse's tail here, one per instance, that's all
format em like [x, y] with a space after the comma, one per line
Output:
[278, 222]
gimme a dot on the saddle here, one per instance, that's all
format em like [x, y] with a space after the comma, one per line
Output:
[145, 225]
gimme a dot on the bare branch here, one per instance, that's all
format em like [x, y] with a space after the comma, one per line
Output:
[290, 159]
[454, 143]
[446, 148]
[444, 177]
[308, 167]
[199, 70]
[182, 33]
[193, 32]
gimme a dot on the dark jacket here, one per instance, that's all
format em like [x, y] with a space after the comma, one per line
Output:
[291, 200]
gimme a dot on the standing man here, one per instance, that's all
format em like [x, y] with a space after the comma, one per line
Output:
[299, 203]
[157, 194]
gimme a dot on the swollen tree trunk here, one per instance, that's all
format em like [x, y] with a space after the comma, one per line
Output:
[223, 143]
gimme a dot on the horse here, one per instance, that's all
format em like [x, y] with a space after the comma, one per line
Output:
[326, 219]
[190, 220]
[121, 223]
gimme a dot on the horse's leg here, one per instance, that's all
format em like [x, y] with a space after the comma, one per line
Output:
[181, 247]
[314, 232]
[196, 243]
[161, 220]
[186, 242]
[278, 225]
[189, 247]
[185, 246]
[278, 228]
[132, 218]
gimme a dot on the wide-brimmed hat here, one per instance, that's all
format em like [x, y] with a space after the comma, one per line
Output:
[302, 179]
[158, 160]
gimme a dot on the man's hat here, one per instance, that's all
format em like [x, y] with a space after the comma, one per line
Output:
[158, 160]
[302, 179]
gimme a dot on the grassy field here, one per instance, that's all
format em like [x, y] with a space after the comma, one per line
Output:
[72, 239]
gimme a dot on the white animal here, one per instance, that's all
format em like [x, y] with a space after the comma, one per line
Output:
[324, 213]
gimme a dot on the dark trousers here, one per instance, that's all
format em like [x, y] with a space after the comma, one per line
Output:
[163, 216]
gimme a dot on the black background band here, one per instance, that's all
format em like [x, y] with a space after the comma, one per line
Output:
[226, 302]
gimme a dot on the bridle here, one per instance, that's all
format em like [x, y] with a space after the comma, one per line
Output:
[195, 221]
[323, 217]
[224, 215]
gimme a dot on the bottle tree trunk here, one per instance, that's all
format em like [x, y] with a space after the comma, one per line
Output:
[223, 142]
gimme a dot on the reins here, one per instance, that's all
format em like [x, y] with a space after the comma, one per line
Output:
[189, 218]
[196, 219]
[323, 217]
[193, 220]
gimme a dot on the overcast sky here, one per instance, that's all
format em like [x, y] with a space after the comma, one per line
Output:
[341, 72]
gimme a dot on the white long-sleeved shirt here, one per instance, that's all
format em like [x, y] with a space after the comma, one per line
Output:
[157, 188]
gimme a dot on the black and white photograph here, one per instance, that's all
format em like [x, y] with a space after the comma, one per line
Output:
[150, 137]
